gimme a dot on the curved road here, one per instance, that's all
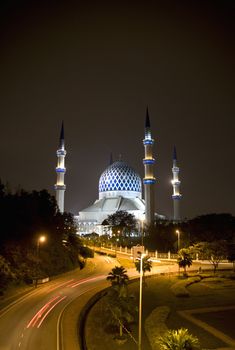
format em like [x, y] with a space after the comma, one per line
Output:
[37, 320]
[46, 318]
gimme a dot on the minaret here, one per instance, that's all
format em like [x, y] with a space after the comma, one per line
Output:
[149, 179]
[60, 187]
[176, 196]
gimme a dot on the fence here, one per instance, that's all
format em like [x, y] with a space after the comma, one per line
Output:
[129, 251]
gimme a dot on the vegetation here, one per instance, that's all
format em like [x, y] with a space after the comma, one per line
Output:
[212, 251]
[231, 254]
[179, 289]
[210, 228]
[25, 217]
[146, 266]
[122, 223]
[118, 279]
[120, 305]
[178, 340]
[185, 258]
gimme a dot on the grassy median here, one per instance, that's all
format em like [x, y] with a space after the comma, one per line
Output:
[215, 291]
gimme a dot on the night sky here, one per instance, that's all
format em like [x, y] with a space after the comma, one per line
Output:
[97, 65]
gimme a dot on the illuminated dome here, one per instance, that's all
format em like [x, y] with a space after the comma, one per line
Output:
[119, 179]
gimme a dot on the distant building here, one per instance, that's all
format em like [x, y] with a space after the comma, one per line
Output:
[60, 187]
[120, 188]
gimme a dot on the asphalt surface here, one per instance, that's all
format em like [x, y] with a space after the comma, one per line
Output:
[36, 320]
[46, 318]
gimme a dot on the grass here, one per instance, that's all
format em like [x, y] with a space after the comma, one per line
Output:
[216, 320]
[158, 293]
[127, 263]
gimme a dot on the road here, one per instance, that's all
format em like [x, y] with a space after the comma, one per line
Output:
[35, 321]
[46, 318]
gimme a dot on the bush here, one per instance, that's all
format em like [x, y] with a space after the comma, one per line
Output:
[178, 340]
[100, 253]
[86, 252]
[179, 288]
[112, 255]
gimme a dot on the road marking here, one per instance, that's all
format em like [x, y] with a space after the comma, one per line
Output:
[38, 315]
[59, 335]
[7, 308]
[61, 285]
[47, 313]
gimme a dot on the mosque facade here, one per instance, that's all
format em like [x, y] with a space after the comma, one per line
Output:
[120, 189]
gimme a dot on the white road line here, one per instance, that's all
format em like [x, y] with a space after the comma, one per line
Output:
[59, 335]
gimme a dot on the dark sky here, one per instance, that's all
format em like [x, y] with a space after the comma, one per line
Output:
[96, 65]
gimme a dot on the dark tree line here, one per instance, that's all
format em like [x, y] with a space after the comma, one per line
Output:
[24, 217]
[205, 228]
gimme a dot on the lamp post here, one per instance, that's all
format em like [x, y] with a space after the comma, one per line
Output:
[178, 233]
[140, 301]
[41, 239]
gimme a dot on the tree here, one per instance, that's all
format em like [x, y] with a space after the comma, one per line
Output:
[212, 251]
[146, 265]
[210, 228]
[185, 258]
[161, 236]
[119, 303]
[122, 221]
[178, 340]
[36, 213]
[231, 254]
[6, 275]
[119, 279]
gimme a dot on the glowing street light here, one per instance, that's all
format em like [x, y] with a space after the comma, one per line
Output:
[41, 239]
[178, 233]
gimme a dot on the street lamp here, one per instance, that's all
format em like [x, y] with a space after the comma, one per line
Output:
[178, 233]
[41, 239]
[140, 301]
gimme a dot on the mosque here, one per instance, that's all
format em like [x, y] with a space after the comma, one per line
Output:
[120, 188]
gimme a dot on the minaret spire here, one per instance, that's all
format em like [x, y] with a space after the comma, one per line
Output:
[61, 143]
[149, 179]
[176, 196]
[60, 187]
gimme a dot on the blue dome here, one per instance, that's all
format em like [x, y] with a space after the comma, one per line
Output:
[120, 177]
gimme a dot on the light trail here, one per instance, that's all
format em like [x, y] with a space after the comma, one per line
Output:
[38, 315]
[47, 313]
[60, 285]
[96, 278]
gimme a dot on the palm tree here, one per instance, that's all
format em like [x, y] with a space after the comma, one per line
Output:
[118, 276]
[184, 258]
[147, 266]
[178, 340]
[119, 303]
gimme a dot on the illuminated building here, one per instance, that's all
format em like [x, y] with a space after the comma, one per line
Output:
[176, 196]
[120, 188]
[149, 179]
[60, 187]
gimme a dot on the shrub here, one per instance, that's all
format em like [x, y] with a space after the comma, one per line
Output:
[178, 340]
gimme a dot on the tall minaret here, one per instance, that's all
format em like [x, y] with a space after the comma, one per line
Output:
[60, 187]
[149, 179]
[176, 196]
